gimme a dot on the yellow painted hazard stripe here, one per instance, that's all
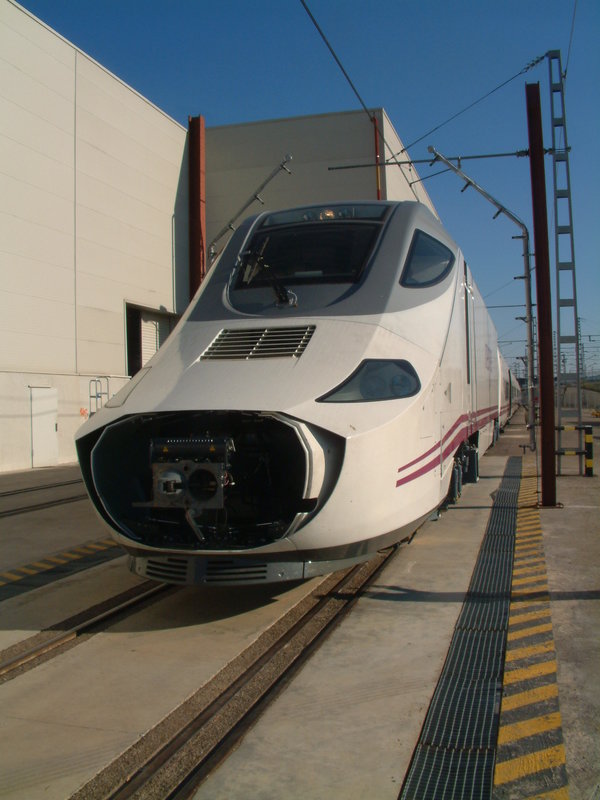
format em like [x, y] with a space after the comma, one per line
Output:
[529, 697]
[525, 652]
[525, 633]
[534, 671]
[50, 562]
[529, 764]
[530, 754]
[529, 727]
[528, 616]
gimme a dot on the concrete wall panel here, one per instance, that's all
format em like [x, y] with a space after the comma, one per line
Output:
[24, 126]
[125, 209]
[30, 166]
[27, 278]
[100, 340]
[110, 99]
[50, 353]
[29, 31]
[101, 327]
[36, 242]
[124, 277]
[93, 355]
[126, 246]
[35, 205]
[39, 316]
[43, 88]
[96, 164]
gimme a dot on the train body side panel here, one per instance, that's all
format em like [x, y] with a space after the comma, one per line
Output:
[485, 374]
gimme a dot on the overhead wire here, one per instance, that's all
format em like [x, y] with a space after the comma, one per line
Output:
[525, 69]
[570, 41]
[504, 285]
[563, 77]
[337, 60]
[354, 89]
[430, 161]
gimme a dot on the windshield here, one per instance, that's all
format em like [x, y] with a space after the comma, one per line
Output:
[310, 246]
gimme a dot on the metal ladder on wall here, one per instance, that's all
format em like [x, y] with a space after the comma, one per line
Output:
[567, 323]
[99, 393]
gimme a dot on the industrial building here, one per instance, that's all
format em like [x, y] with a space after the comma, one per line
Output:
[111, 212]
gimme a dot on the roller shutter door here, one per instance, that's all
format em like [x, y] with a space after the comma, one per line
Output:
[155, 329]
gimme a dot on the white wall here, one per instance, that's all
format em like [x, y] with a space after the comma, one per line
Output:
[91, 175]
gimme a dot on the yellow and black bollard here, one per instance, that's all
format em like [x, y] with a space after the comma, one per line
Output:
[589, 452]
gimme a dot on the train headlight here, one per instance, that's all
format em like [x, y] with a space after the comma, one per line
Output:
[375, 380]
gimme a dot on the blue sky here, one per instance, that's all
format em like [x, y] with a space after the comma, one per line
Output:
[422, 60]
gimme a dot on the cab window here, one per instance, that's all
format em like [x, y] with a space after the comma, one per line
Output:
[312, 245]
[428, 262]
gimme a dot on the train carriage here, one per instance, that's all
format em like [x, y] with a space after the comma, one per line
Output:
[333, 381]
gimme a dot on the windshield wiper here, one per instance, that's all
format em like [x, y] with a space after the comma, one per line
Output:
[256, 265]
[281, 293]
[255, 262]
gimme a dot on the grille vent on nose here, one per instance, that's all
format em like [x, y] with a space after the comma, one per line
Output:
[170, 569]
[246, 343]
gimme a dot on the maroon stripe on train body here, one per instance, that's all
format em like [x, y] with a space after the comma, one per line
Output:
[477, 422]
[425, 469]
[450, 448]
[435, 447]
[431, 450]
[461, 436]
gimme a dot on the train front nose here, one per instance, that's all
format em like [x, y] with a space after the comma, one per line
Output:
[212, 481]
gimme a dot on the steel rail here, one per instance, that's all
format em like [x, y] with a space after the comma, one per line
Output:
[12, 512]
[48, 646]
[25, 489]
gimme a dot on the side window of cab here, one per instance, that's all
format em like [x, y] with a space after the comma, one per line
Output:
[428, 262]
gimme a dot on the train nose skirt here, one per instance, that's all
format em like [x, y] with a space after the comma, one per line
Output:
[222, 571]
[457, 746]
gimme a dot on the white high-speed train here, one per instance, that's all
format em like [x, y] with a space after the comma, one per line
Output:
[331, 384]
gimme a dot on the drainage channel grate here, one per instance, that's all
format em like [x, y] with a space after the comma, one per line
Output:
[455, 754]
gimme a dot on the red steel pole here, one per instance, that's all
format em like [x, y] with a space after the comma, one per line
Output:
[542, 280]
[377, 155]
[197, 203]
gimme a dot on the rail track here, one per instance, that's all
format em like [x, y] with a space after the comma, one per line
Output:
[172, 759]
[9, 497]
[43, 487]
[51, 642]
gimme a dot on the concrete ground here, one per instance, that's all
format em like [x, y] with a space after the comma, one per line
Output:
[347, 725]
